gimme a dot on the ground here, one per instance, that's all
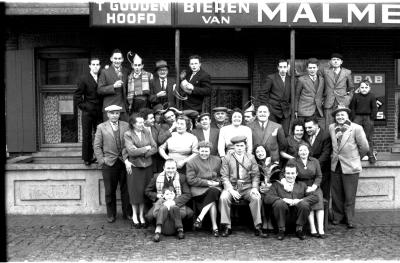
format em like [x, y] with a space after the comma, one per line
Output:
[91, 238]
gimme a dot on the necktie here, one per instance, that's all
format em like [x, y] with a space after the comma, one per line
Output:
[162, 84]
[262, 126]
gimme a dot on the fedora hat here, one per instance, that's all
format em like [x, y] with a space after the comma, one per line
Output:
[161, 64]
[339, 108]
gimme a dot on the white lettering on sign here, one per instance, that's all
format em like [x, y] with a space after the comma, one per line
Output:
[374, 79]
[136, 7]
[387, 14]
[130, 18]
[216, 7]
[326, 16]
[216, 20]
[353, 10]
[308, 13]
[264, 9]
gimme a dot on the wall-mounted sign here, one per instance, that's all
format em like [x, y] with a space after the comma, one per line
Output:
[132, 13]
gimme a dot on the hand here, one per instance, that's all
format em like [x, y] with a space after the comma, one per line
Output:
[295, 201]
[118, 84]
[235, 194]
[148, 147]
[275, 132]
[173, 127]
[287, 201]
[160, 196]
[162, 93]
[311, 188]
[128, 166]
[254, 192]
[182, 76]
[295, 114]
[180, 164]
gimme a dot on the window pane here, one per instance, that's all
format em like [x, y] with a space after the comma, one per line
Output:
[62, 71]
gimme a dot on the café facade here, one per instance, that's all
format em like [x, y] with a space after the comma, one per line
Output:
[48, 46]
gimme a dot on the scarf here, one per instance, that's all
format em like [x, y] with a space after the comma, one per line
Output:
[176, 183]
[141, 90]
[286, 185]
[341, 129]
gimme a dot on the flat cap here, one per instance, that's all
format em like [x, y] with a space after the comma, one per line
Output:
[204, 114]
[161, 64]
[239, 138]
[113, 108]
[337, 55]
[191, 113]
[158, 108]
[216, 109]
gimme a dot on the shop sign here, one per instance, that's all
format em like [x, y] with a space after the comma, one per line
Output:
[132, 13]
[287, 14]
[378, 88]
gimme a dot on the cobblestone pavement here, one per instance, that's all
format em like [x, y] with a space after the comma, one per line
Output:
[89, 237]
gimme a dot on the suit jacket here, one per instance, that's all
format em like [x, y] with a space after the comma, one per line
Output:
[309, 96]
[274, 144]
[202, 88]
[85, 96]
[138, 155]
[105, 145]
[353, 146]
[229, 173]
[277, 192]
[214, 134]
[151, 190]
[106, 88]
[276, 95]
[337, 90]
[170, 98]
[322, 149]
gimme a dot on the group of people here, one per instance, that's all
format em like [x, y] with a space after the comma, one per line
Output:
[164, 158]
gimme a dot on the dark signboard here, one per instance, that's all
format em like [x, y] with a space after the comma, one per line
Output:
[132, 13]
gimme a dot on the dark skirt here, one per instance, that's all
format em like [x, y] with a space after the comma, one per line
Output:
[320, 204]
[137, 182]
[211, 195]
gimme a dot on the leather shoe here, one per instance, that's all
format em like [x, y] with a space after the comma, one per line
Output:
[226, 232]
[281, 235]
[88, 163]
[322, 236]
[135, 225]
[350, 226]
[315, 235]
[216, 232]
[156, 237]
[111, 219]
[300, 234]
[264, 233]
[335, 222]
[181, 235]
[144, 225]
[257, 232]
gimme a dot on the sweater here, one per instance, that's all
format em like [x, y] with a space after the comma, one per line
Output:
[364, 105]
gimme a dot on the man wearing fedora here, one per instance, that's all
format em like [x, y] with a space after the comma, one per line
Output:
[109, 150]
[339, 87]
[163, 86]
[207, 133]
[349, 145]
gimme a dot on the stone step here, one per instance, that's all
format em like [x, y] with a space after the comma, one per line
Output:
[57, 160]
[57, 154]
[396, 148]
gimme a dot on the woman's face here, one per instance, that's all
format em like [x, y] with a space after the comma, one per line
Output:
[181, 126]
[298, 132]
[303, 152]
[237, 119]
[204, 152]
[261, 154]
[139, 124]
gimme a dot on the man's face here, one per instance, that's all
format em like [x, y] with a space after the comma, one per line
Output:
[150, 120]
[170, 117]
[312, 69]
[220, 116]
[364, 88]
[204, 152]
[336, 62]
[117, 59]
[311, 128]
[170, 168]
[248, 117]
[162, 72]
[290, 174]
[283, 68]
[113, 116]
[194, 64]
[205, 122]
[137, 65]
[94, 66]
[262, 113]
[240, 148]
[341, 117]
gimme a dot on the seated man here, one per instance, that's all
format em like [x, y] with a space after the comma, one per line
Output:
[241, 179]
[290, 200]
[172, 209]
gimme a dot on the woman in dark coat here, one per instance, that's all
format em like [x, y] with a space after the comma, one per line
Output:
[140, 146]
[293, 140]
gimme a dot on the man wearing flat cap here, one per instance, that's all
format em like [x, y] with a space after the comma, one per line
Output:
[207, 133]
[163, 86]
[241, 179]
[109, 150]
[220, 115]
[349, 145]
[339, 87]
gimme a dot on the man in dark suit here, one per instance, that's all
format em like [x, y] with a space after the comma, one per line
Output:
[207, 133]
[86, 98]
[163, 86]
[196, 84]
[112, 86]
[221, 118]
[276, 94]
[108, 147]
[267, 133]
[321, 148]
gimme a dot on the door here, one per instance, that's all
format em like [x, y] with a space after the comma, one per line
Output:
[230, 95]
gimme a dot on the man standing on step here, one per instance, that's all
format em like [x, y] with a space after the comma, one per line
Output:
[108, 147]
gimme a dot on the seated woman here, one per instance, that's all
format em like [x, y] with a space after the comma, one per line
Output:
[181, 146]
[226, 133]
[293, 140]
[140, 146]
[202, 175]
[309, 172]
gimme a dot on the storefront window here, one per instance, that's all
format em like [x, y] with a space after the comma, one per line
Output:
[62, 71]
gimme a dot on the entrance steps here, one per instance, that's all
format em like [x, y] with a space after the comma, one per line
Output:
[59, 157]
[396, 147]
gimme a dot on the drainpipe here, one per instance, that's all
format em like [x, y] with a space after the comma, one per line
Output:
[292, 69]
